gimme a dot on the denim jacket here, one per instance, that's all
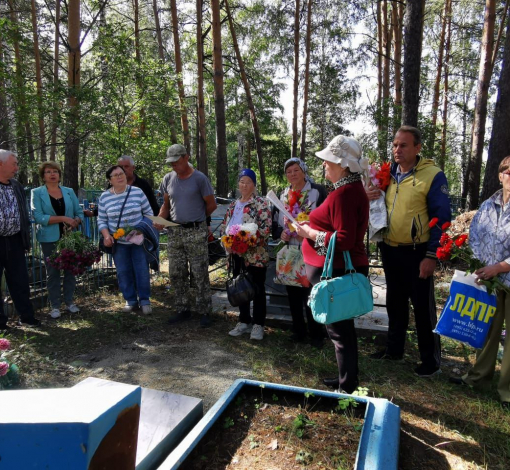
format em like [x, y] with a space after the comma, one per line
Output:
[257, 212]
[489, 233]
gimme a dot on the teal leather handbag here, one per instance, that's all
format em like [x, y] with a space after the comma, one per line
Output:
[340, 298]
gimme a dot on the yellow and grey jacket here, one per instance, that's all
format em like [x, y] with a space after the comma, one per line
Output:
[413, 201]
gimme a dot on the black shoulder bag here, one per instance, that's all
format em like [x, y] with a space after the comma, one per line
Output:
[109, 250]
[240, 289]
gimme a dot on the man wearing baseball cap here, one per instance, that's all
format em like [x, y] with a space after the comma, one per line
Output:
[188, 201]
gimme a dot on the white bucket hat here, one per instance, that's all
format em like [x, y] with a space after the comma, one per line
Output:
[345, 151]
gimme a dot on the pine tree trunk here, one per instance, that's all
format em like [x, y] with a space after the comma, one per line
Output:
[54, 114]
[437, 83]
[38, 79]
[24, 131]
[72, 155]
[4, 114]
[307, 80]
[251, 107]
[398, 14]
[386, 36]
[202, 137]
[413, 38]
[161, 55]
[480, 114]
[296, 80]
[219, 104]
[499, 146]
[442, 157]
[178, 71]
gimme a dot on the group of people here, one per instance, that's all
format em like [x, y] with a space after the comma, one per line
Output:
[417, 193]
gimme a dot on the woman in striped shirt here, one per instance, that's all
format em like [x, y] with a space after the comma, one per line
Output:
[130, 205]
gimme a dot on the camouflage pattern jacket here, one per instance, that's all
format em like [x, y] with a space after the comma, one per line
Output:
[256, 211]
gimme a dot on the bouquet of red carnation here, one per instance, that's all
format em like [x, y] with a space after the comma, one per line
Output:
[378, 218]
[451, 247]
[380, 175]
[240, 238]
[74, 253]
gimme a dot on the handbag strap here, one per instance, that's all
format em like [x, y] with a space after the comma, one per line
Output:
[327, 272]
[122, 208]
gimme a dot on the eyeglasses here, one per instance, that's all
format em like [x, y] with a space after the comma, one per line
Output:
[506, 172]
[117, 175]
[51, 172]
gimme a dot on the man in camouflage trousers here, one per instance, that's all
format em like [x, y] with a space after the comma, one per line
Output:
[188, 201]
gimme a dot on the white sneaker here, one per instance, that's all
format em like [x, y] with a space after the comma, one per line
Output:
[257, 332]
[240, 329]
[55, 313]
[146, 309]
[129, 308]
[73, 308]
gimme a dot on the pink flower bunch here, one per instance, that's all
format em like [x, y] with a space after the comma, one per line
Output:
[72, 261]
[5, 344]
[234, 229]
[4, 368]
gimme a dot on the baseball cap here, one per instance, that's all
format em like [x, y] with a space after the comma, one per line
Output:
[175, 152]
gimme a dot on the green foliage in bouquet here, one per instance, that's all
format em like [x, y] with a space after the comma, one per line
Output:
[9, 372]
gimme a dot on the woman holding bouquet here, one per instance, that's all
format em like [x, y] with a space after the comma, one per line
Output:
[120, 208]
[300, 198]
[252, 255]
[489, 238]
[345, 211]
[55, 208]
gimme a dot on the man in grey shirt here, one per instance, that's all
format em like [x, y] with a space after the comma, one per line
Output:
[188, 201]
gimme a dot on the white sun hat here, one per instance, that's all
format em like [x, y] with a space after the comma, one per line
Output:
[345, 151]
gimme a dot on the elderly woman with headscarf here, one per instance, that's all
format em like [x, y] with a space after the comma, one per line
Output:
[300, 197]
[250, 209]
[345, 211]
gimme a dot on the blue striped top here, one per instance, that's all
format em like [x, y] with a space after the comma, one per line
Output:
[110, 204]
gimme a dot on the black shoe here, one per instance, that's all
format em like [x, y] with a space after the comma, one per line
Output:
[317, 343]
[384, 355]
[29, 321]
[424, 370]
[179, 317]
[295, 338]
[456, 380]
[332, 383]
[205, 321]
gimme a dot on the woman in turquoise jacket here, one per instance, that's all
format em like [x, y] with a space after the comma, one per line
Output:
[54, 209]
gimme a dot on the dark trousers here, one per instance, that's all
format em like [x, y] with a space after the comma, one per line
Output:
[12, 261]
[258, 276]
[298, 301]
[343, 337]
[402, 268]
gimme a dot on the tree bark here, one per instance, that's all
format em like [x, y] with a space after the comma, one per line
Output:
[296, 80]
[24, 131]
[219, 104]
[413, 38]
[437, 83]
[499, 146]
[307, 79]
[54, 114]
[442, 157]
[480, 113]
[72, 155]
[381, 140]
[398, 14]
[251, 107]
[38, 79]
[4, 114]
[161, 54]
[178, 70]
[202, 137]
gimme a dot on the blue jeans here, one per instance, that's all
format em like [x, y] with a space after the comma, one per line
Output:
[133, 274]
[53, 280]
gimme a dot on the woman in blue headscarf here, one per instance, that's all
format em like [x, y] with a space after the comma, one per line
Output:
[250, 209]
[301, 196]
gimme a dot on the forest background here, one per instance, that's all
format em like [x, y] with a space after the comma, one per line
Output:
[85, 81]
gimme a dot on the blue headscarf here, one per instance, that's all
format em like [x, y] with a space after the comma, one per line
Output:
[249, 173]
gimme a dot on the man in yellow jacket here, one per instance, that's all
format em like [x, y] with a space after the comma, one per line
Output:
[417, 193]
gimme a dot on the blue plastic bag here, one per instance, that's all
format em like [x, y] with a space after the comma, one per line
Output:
[468, 312]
